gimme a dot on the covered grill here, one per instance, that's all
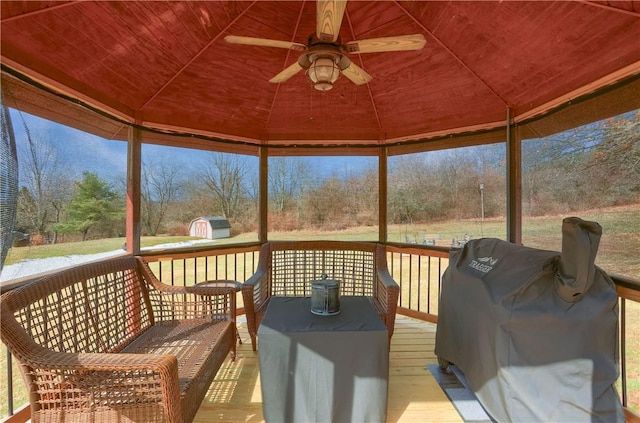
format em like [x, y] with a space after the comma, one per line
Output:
[534, 331]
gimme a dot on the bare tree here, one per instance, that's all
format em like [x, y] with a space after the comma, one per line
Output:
[408, 189]
[615, 161]
[362, 192]
[160, 187]
[286, 180]
[48, 183]
[224, 174]
[325, 205]
[60, 201]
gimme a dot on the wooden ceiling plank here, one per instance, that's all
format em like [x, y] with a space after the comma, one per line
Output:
[369, 23]
[183, 68]
[125, 54]
[380, 128]
[148, 33]
[45, 8]
[98, 60]
[275, 18]
[285, 65]
[455, 56]
[610, 8]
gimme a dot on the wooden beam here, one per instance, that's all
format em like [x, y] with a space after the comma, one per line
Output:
[22, 415]
[134, 165]
[628, 293]
[631, 416]
[263, 197]
[514, 183]
[419, 315]
[607, 80]
[382, 195]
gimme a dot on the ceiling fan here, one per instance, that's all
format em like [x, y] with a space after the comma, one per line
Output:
[324, 57]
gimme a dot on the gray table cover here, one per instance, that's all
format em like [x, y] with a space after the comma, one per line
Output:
[534, 331]
[323, 368]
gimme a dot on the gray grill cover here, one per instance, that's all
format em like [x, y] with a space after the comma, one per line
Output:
[535, 332]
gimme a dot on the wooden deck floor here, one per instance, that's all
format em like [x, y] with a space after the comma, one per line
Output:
[414, 395]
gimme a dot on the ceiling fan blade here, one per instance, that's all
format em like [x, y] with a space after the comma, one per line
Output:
[286, 74]
[356, 74]
[376, 45]
[329, 15]
[264, 42]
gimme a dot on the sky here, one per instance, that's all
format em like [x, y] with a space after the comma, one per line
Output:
[81, 151]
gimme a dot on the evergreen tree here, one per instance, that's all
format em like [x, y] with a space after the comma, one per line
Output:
[95, 204]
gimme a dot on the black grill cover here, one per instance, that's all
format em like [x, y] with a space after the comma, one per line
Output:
[535, 332]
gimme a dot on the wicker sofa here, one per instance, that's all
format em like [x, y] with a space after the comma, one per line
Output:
[106, 341]
[286, 268]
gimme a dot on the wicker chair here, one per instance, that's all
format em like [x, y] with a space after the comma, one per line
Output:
[286, 268]
[106, 341]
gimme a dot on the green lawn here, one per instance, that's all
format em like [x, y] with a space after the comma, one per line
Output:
[83, 247]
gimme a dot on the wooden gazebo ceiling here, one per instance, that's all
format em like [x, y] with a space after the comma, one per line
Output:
[166, 65]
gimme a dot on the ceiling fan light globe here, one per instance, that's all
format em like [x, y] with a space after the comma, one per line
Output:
[323, 72]
[323, 86]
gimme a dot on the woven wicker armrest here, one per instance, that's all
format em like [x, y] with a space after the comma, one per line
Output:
[198, 301]
[256, 294]
[91, 381]
[255, 285]
[387, 292]
[205, 290]
[95, 383]
[257, 281]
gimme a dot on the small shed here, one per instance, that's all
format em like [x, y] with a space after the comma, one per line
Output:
[210, 227]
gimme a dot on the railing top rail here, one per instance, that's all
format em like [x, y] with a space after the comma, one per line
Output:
[421, 250]
[627, 287]
[201, 251]
[323, 245]
[11, 284]
[626, 281]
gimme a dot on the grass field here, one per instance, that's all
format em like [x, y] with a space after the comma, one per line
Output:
[619, 253]
[86, 247]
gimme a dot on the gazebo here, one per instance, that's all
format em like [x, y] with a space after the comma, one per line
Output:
[163, 72]
[305, 78]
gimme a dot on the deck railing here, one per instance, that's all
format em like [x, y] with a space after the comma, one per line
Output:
[417, 269]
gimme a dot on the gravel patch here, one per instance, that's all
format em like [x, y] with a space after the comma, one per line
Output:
[31, 267]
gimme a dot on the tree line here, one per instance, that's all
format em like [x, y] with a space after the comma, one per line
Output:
[592, 166]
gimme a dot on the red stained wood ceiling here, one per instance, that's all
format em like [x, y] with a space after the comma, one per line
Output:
[166, 64]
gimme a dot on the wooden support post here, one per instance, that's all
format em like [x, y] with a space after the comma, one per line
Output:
[514, 183]
[134, 165]
[382, 195]
[263, 198]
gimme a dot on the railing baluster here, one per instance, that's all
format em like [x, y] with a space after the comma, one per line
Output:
[410, 280]
[9, 382]
[623, 346]
[419, 279]
[429, 285]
